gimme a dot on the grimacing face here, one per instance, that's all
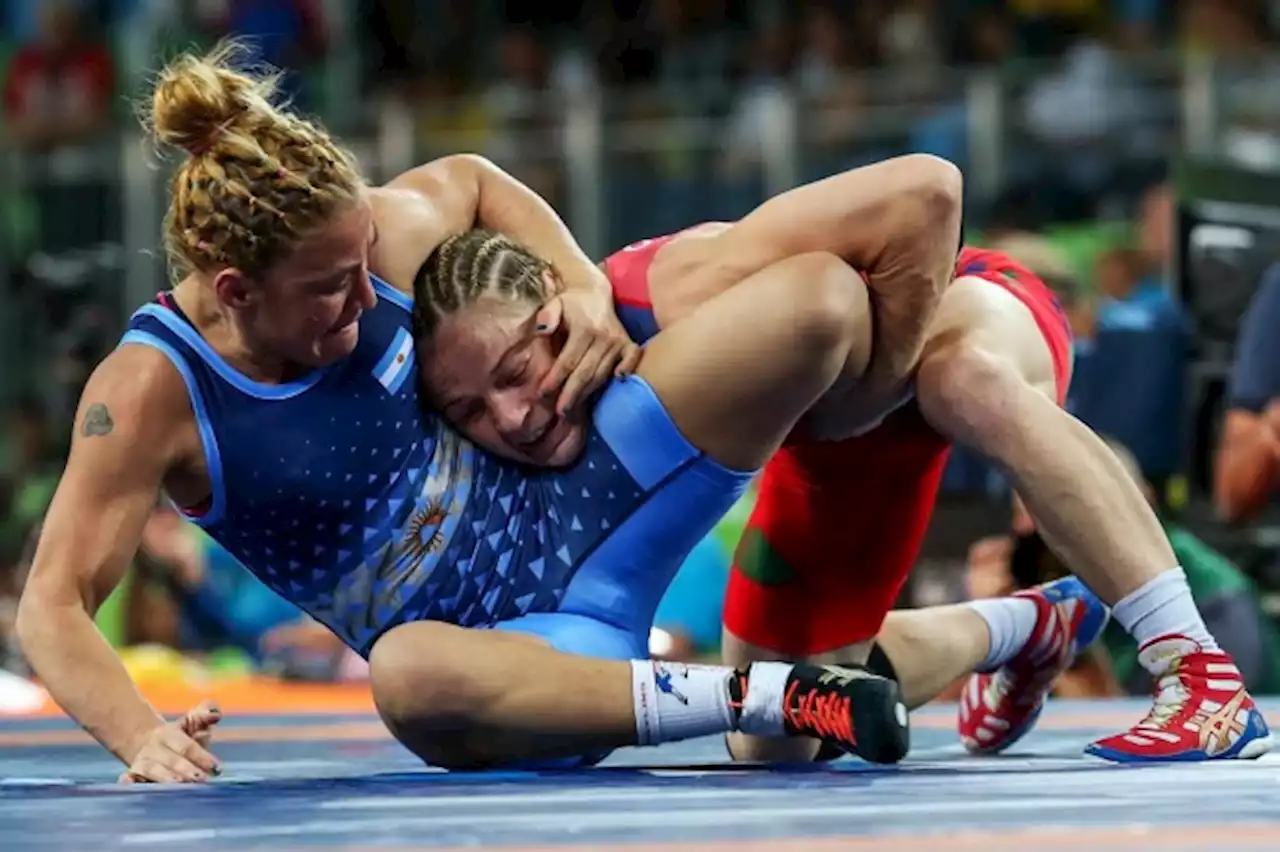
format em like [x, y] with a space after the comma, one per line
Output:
[483, 368]
[307, 307]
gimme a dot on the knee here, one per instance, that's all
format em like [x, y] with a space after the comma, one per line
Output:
[970, 393]
[829, 299]
[423, 694]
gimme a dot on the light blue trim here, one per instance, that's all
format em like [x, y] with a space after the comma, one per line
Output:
[187, 333]
[391, 294]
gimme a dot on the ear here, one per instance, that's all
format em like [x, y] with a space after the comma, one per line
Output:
[234, 289]
[552, 282]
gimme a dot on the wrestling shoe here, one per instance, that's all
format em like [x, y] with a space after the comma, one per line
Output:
[1201, 710]
[998, 708]
[849, 708]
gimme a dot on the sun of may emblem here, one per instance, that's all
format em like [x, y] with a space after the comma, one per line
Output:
[424, 535]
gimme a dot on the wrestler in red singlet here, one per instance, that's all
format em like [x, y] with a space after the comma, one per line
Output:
[837, 526]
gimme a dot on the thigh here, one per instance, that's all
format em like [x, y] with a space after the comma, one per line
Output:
[740, 370]
[1012, 317]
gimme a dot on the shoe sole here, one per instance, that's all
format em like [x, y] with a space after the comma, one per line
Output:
[1252, 750]
[880, 721]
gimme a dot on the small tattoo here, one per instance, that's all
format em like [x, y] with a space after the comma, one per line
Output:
[97, 421]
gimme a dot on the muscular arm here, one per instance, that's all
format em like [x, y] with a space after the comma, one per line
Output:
[1249, 451]
[897, 222]
[120, 451]
[470, 191]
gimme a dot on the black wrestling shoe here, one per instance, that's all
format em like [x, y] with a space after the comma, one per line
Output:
[849, 709]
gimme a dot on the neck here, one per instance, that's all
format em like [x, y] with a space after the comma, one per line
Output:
[219, 326]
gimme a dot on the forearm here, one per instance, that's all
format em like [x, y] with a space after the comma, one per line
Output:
[1244, 475]
[897, 222]
[84, 675]
[508, 206]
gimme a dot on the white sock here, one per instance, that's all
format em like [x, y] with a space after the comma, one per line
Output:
[1010, 622]
[674, 701]
[762, 708]
[1163, 607]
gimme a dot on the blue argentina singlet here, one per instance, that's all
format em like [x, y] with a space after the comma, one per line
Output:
[343, 497]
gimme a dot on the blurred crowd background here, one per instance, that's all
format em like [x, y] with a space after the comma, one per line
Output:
[1126, 150]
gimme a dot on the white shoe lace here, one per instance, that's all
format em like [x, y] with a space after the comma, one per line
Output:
[1171, 697]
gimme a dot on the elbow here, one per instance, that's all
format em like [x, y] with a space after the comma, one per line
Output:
[936, 191]
[32, 615]
[475, 166]
[38, 609]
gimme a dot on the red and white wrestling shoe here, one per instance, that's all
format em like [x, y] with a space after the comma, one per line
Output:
[1201, 711]
[998, 708]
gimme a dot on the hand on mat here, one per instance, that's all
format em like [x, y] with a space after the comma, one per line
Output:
[177, 752]
[596, 348]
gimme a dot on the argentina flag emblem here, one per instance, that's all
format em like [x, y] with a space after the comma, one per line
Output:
[396, 363]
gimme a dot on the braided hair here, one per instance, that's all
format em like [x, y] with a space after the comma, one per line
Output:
[470, 266]
[256, 178]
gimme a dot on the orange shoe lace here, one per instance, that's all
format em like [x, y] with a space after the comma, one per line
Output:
[825, 714]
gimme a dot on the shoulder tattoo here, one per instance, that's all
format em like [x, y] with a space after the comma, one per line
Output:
[97, 421]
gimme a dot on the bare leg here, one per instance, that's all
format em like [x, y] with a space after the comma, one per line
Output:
[463, 698]
[735, 376]
[933, 648]
[738, 372]
[989, 385]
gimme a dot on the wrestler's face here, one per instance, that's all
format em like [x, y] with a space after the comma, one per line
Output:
[483, 369]
[306, 309]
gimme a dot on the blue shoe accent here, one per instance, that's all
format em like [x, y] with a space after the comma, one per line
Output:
[1253, 743]
[1096, 614]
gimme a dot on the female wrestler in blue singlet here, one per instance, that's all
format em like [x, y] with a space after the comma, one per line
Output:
[271, 395]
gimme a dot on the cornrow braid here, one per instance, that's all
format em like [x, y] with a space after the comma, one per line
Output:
[472, 265]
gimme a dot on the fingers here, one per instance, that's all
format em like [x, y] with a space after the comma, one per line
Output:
[146, 770]
[630, 360]
[205, 715]
[187, 752]
[575, 348]
[549, 317]
[590, 373]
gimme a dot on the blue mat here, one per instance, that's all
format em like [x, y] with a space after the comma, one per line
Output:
[337, 783]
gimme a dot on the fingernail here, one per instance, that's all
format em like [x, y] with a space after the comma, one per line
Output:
[199, 776]
[542, 326]
[217, 769]
[547, 394]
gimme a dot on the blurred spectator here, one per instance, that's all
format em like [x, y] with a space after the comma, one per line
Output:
[59, 85]
[1132, 281]
[32, 470]
[753, 113]
[696, 43]
[287, 34]
[1226, 597]
[1248, 466]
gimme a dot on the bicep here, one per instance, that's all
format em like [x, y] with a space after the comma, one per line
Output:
[108, 489]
